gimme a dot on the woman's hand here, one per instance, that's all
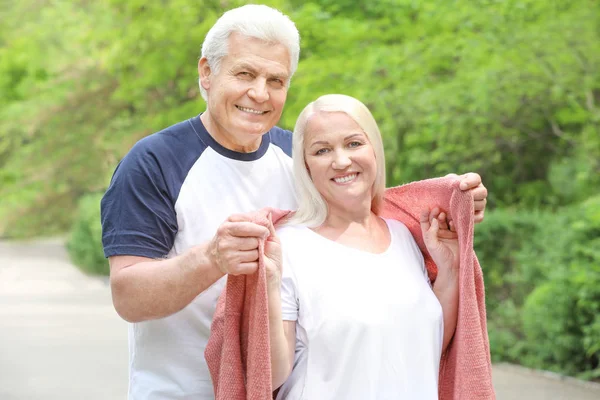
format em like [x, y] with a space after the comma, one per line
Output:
[273, 258]
[441, 242]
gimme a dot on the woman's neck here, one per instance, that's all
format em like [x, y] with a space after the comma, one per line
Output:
[344, 221]
[364, 232]
[357, 214]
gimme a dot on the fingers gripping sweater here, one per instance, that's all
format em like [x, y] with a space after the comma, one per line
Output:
[238, 350]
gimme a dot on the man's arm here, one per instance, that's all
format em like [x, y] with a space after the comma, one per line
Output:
[145, 289]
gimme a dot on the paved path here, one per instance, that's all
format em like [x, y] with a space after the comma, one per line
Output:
[61, 339]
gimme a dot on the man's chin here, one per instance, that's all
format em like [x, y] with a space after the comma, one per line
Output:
[256, 129]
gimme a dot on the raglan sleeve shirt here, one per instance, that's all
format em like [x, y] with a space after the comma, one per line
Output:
[137, 211]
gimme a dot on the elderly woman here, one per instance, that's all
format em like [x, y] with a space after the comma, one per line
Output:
[352, 312]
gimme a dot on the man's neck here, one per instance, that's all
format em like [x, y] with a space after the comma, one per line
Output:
[227, 140]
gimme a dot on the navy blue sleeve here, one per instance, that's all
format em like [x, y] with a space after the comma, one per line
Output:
[282, 139]
[137, 211]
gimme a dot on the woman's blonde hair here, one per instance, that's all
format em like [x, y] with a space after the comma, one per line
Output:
[312, 208]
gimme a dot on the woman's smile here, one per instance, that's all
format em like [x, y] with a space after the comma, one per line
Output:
[345, 179]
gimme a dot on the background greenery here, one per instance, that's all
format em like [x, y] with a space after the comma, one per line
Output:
[508, 88]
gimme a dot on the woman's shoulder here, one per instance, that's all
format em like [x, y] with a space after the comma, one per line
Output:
[295, 241]
[398, 227]
[287, 232]
[405, 239]
[401, 232]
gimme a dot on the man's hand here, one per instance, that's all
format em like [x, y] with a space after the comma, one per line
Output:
[472, 181]
[234, 248]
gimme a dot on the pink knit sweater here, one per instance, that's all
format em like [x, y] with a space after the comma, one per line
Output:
[238, 350]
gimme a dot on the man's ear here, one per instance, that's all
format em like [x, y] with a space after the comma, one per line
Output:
[204, 73]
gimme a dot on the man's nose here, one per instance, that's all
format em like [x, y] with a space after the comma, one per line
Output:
[259, 91]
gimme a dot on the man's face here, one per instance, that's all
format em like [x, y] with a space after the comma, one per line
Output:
[247, 95]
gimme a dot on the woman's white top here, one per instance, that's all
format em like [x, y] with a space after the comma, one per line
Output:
[368, 325]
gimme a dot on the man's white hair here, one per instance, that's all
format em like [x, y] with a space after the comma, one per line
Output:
[255, 21]
[312, 208]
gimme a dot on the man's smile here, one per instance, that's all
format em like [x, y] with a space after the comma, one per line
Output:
[251, 110]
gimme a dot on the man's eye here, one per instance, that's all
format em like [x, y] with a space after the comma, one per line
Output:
[244, 74]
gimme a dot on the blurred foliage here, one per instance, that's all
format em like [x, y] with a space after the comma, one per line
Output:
[508, 88]
[85, 242]
[542, 275]
[561, 317]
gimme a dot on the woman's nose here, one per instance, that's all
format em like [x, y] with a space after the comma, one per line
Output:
[341, 160]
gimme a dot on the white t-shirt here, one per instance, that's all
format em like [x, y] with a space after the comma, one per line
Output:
[171, 192]
[369, 327]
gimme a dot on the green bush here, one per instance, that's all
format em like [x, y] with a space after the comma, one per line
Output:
[561, 318]
[557, 326]
[501, 243]
[85, 242]
[542, 273]
[505, 333]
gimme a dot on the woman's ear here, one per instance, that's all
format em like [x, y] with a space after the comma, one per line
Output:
[204, 73]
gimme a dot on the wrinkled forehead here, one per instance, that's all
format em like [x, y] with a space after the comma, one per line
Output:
[258, 54]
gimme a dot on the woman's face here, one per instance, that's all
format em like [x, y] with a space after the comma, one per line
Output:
[340, 160]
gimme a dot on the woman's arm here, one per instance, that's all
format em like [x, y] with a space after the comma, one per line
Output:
[442, 245]
[445, 289]
[283, 338]
[282, 333]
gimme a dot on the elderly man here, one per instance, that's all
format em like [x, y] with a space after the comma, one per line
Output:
[172, 228]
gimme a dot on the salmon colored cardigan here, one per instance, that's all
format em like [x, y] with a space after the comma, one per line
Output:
[238, 350]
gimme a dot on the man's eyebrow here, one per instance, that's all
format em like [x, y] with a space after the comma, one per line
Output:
[278, 75]
[244, 65]
[282, 76]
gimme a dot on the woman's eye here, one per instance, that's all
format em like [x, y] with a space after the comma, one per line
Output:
[321, 151]
[354, 144]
